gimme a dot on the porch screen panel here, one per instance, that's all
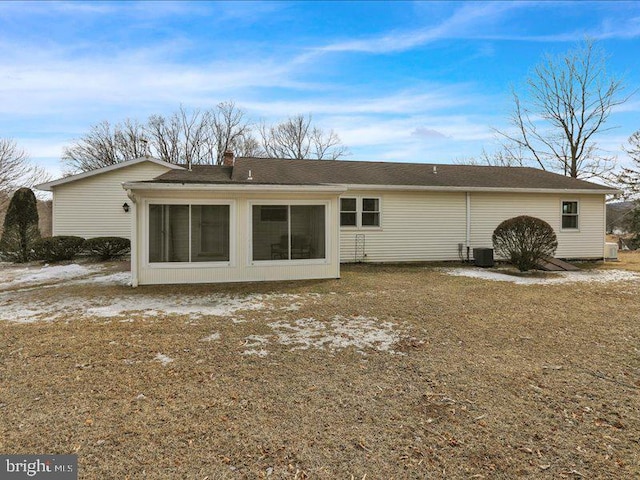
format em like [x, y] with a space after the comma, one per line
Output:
[210, 233]
[270, 232]
[307, 231]
[168, 233]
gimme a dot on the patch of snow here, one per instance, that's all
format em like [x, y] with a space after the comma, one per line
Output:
[27, 309]
[211, 338]
[294, 307]
[163, 359]
[588, 276]
[217, 305]
[255, 344]
[341, 332]
[119, 278]
[15, 276]
[255, 341]
[258, 353]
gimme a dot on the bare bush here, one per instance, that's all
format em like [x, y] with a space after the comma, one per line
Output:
[524, 240]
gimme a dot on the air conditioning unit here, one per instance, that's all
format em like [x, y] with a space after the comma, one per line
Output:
[483, 257]
[611, 251]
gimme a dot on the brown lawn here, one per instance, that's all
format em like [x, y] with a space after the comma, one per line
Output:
[481, 379]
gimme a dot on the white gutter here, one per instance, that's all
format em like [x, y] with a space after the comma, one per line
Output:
[581, 191]
[340, 188]
[234, 187]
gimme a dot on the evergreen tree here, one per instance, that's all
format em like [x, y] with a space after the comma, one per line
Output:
[20, 226]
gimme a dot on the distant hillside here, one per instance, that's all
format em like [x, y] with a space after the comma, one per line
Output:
[617, 216]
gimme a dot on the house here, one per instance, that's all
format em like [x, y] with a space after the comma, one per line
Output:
[258, 219]
[93, 203]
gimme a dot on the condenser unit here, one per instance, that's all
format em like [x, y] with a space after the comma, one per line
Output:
[611, 251]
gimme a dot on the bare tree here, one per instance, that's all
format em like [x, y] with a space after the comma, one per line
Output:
[200, 137]
[507, 156]
[186, 136]
[568, 100]
[15, 169]
[232, 131]
[247, 146]
[105, 145]
[296, 138]
[629, 177]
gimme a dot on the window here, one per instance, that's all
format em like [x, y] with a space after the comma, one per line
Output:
[360, 212]
[370, 212]
[288, 232]
[189, 233]
[348, 212]
[569, 215]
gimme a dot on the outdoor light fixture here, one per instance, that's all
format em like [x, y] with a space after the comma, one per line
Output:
[125, 206]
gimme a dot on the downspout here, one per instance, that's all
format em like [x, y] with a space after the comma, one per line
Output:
[134, 238]
[468, 232]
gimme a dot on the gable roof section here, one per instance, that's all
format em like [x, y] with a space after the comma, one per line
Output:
[48, 186]
[271, 171]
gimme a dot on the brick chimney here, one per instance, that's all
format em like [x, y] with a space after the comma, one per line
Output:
[228, 158]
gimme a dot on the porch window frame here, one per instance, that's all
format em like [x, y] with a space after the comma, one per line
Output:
[290, 262]
[189, 264]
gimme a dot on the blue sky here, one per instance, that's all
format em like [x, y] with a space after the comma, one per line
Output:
[398, 81]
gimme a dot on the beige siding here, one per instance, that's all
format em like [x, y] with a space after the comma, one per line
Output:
[415, 226]
[240, 268]
[428, 226]
[92, 206]
[489, 209]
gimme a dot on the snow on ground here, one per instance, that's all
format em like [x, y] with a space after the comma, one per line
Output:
[120, 307]
[20, 276]
[12, 277]
[211, 338]
[338, 333]
[555, 278]
[119, 278]
[163, 359]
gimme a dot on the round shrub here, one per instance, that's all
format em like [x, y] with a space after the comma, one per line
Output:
[107, 248]
[524, 240]
[58, 248]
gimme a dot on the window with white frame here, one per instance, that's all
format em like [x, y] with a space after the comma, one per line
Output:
[348, 212]
[370, 212]
[569, 215]
[188, 233]
[288, 232]
[360, 212]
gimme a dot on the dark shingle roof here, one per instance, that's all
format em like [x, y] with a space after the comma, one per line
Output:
[197, 174]
[316, 172]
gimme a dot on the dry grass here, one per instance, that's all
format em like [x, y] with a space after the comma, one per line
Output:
[490, 380]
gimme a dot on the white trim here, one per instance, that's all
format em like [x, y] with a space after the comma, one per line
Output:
[566, 191]
[174, 265]
[302, 261]
[339, 188]
[234, 187]
[127, 163]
